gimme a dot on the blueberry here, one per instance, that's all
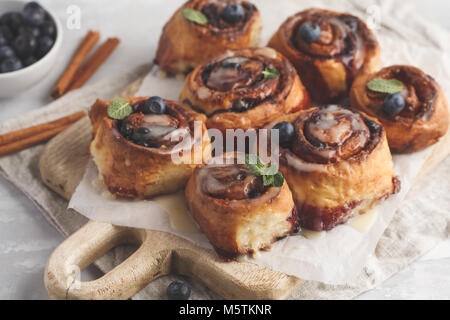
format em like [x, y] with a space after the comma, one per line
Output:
[44, 45]
[30, 31]
[372, 125]
[394, 104]
[13, 20]
[7, 33]
[34, 14]
[143, 131]
[254, 194]
[242, 105]
[139, 136]
[25, 45]
[318, 144]
[309, 32]
[6, 52]
[11, 64]
[48, 28]
[3, 40]
[126, 129]
[29, 61]
[154, 105]
[178, 290]
[231, 65]
[143, 143]
[286, 133]
[233, 13]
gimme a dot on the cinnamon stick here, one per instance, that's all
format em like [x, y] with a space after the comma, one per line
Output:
[82, 52]
[94, 62]
[30, 141]
[32, 131]
[25, 138]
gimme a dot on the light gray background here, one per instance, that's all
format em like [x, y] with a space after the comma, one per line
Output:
[26, 239]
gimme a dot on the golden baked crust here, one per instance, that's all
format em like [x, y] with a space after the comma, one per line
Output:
[327, 67]
[425, 118]
[130, 170]
[338, 165]
[184, 45]
[268, 98]
[233, 221]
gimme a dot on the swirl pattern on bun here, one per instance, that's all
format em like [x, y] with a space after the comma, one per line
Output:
[236, 211]
[184, 44]
[421, 119]
[134, 156]
[328, 63]
[245, 89]
[338, 165]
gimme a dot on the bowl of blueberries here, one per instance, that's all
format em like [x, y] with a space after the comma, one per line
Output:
[30, 38]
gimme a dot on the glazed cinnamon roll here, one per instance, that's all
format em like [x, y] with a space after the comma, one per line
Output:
[328, 49]
[337, 164]
[236, 211]
[202, 29]
[134, 155]
[245, 89]
[415, 117]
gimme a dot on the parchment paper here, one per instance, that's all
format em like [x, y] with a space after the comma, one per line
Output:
[338, 256]
[421, 222]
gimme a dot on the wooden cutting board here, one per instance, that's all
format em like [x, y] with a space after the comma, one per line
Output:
[62, 165]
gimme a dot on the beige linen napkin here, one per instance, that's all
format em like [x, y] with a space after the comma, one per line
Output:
[420, 224]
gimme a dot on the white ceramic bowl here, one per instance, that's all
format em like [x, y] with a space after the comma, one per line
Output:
[14, 83]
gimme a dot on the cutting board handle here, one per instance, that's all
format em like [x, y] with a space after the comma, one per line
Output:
[87, 245]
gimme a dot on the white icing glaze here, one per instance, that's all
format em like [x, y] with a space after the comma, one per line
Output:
[267, 52]
[363, 222]
[312, 235]
[303, 166]
[239, 60]
[203, 93]
[158, 119]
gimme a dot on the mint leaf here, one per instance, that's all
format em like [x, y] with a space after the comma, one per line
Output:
[119, 109]
[270, 174]
[268, 180]
[271, 170]
[278, 180]
[194, 16]
[389, 86]
[254, 164]
[270, 73]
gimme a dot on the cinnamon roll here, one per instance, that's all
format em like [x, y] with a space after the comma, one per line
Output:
[328, 49]
[415, 117]
[337, 163]
[202, 29]
[245, 89]
[236, 211]
[134, 155]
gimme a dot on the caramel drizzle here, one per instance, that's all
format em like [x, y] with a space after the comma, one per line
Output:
[231, 182]
[243, 78]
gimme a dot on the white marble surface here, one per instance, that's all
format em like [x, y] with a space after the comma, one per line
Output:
[26, 239]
